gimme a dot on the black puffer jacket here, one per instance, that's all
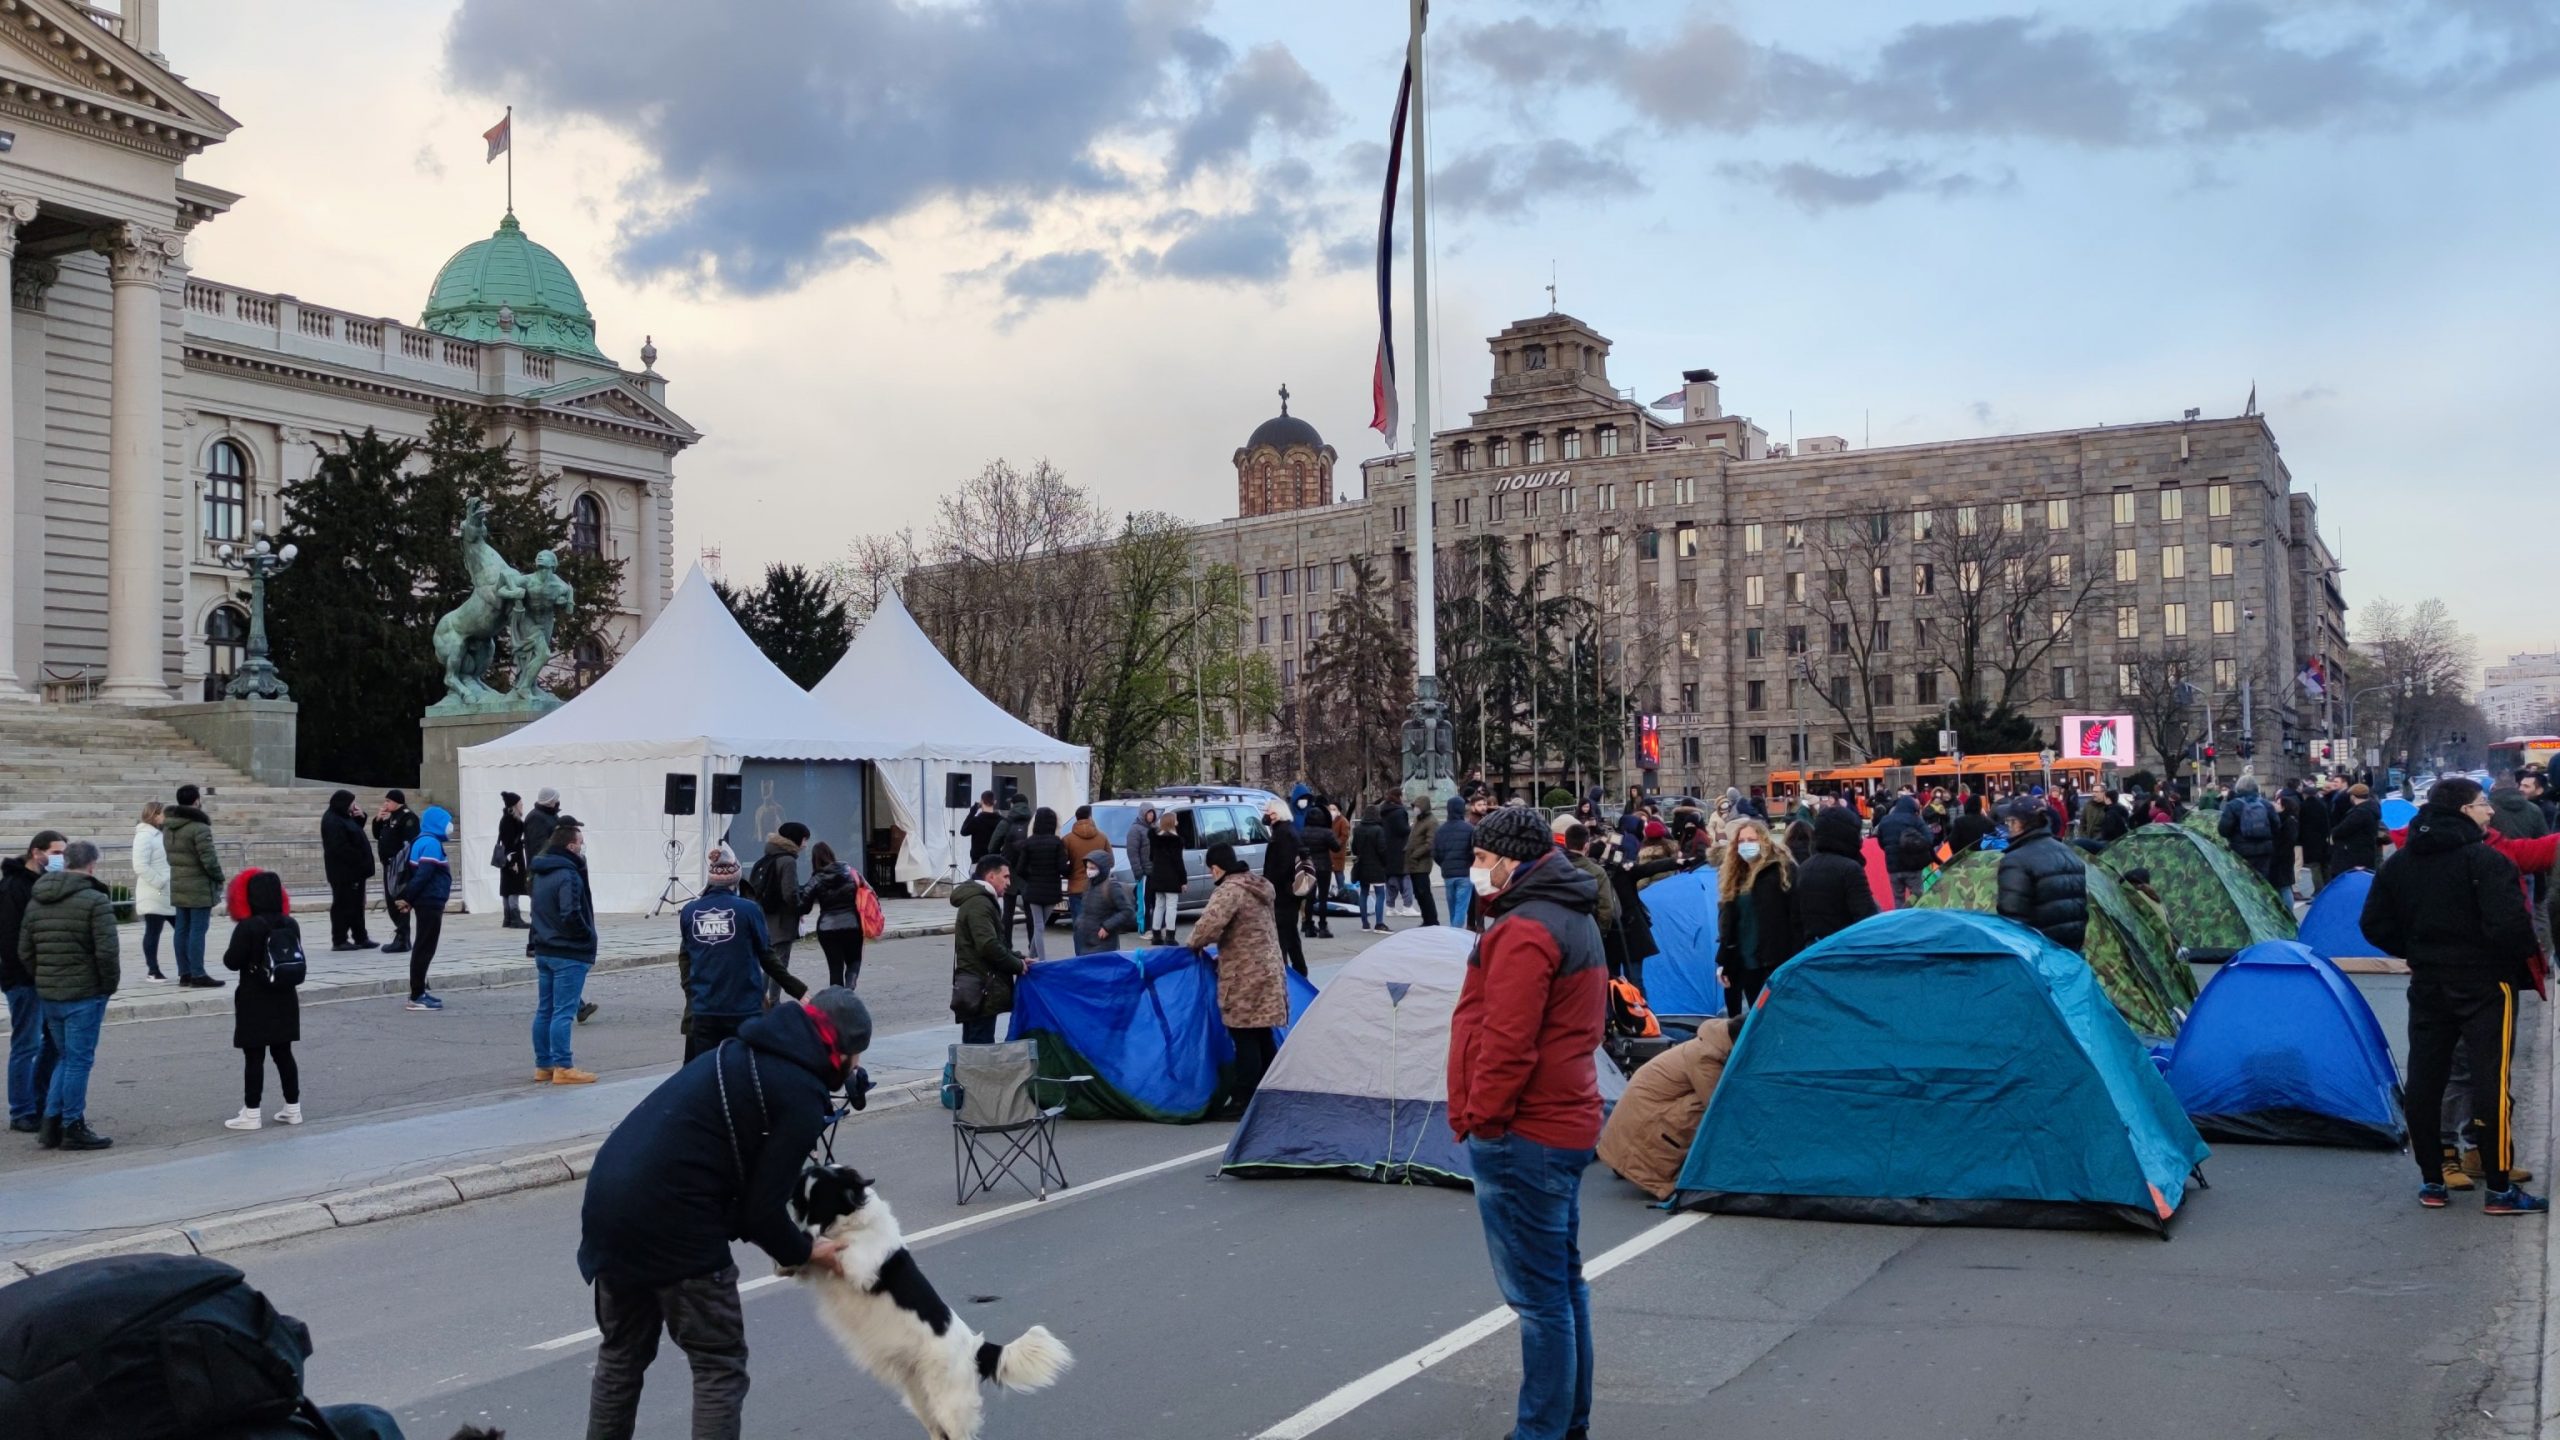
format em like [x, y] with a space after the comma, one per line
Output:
[17, 884]
[1831, 892]
[2312, 827]
[2451, 906]
[345, 855]
[2355, 841]
[685, 1173]
[1374, 854]
[1903, 836]
[2044, 884]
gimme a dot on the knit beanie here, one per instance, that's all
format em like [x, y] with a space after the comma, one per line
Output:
[1515, 832]
[724, 866]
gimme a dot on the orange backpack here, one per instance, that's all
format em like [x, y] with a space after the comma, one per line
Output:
[1628, 1014]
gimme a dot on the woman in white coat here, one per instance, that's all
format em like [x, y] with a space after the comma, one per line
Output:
[151, 885]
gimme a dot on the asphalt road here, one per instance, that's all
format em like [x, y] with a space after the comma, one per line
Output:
[2304, 1294]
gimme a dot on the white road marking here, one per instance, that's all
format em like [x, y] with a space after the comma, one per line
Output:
[1397, 1371]
[953, 1227]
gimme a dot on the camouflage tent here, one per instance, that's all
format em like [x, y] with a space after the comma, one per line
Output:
[2217, 906]
[2125, 947]
[2207, 823]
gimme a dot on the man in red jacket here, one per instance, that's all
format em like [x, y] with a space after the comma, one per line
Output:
[1524, 1095]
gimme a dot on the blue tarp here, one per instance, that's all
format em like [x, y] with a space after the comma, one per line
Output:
[2397, 813]
[2282, 1048]
[1143, 1023]
[1941, 1067]
[1681, 977]
[2334, 926]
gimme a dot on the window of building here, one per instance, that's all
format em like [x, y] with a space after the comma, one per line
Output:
[2225, 557]
[2217, 501]
[1399, 519]
[1684, 490]
[1969, 578]
[2124, 510]
[1797, 750]
[1795, 640]
[1462, 509]
[2128, 622]
[1569, 445]
[226, 644]
[2057, 514]
[1501, 453]
[1288, 674]
[1924, 579]
[1494, 505]
[2057, 568]
[1648, 544]
[1968, 520]
[1261, 584]
[586, 662]
[1288, 628]
[586, 526]
[1840, 698]
[1751, 539]
[2226, 617]
[2013, 516]
[2173, 502]
[1839, 636]
[1751, 643]
[1836, 584]
[1755, 695]
[2173, 619]
[226, 493]
[1608, 497]
[1685, 540]
[1880, 637]
[2059, 622]
[1262, 631]
[1315, 577]
[1608, 440]
[1463, 454]
[1882, 579]
[1533, 449]
[1533, 357]
[1688, 594]
[1922, 631]
[1880, 689]
[1404, 563]
[1689, 697]
[1795, 536]
[2173, 562]
[1691, 750]
[2128, 679]
[1924, 688]
[2128, 566]
[2065, 685]
[1688, 644]
[1758, 745]
[1924, 524]
[1289, 582]
[1315, 623]
[1341, 573]
[1644, 493]
[2226, 674]
[1565, 499]
[1609, 547]
[1795, 588]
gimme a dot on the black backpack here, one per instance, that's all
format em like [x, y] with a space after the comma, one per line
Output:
[145, 1347]
[285, 963]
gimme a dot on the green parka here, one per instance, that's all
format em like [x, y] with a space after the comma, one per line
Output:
[68, 937]
[982, 964]
[195, 872]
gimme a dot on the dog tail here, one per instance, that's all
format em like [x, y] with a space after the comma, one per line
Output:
[1034, 1361]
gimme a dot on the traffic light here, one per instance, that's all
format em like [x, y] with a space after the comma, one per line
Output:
[2248, 748]
[2208, 754]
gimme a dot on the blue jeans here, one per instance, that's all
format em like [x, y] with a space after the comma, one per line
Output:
[1373, 904]
[1462, 896]
[1530, 1199]
[555, 1008]
[31, 1053]
[193, 922]
[71, 1030]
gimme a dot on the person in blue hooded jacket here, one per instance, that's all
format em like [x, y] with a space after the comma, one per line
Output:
[426, 885]
[724, 956]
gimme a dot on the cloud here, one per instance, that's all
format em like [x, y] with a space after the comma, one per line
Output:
[1507, 181]
[765, 158]
[1241, 247]
[2213, 71]
[1817, 188]
[427, 162]
[1061, 275]
[1268, 89]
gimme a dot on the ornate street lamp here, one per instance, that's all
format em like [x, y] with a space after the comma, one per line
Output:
[257, 678]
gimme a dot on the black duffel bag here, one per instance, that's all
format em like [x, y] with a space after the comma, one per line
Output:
[145, 1347]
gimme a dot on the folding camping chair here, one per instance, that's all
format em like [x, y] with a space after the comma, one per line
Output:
[997, 1119]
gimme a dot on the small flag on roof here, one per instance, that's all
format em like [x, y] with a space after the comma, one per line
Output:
[499, 134]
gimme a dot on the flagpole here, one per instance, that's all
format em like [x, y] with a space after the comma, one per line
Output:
[1429, 759]
[511, 158]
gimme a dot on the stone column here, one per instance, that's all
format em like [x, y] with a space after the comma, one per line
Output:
[15, 210]
[651, 581]
[137, 467]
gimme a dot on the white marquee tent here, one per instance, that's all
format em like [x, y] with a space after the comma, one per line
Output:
[693, 696]
[918, 720]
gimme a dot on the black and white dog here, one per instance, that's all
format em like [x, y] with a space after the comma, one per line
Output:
[888, 1318]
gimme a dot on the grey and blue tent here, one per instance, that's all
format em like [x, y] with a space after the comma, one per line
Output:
[1361, 1087]
[1937, 1067]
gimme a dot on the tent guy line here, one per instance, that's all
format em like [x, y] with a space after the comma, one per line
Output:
[1404, 1367]
[951, 1227]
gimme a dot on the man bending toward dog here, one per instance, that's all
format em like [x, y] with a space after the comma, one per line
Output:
[712, 1155]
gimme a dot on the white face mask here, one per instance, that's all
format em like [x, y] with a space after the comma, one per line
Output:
[1481, 877]
[1748, 850]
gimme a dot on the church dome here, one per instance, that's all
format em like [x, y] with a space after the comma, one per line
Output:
[542, 305]
[1284, 430]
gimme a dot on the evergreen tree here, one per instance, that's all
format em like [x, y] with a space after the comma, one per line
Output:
[379, 565]
[1359, 685]
[797, 617]
[1517, 666]
[1980, 730]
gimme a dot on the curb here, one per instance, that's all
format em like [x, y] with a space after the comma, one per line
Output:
[391, 1200]
[173, 1006]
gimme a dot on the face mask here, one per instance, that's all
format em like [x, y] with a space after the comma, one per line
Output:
[1748, 850]
[1481, 877]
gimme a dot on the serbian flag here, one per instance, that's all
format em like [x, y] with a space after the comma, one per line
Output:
[2314, 678]
[498, 135]
[1382, 382]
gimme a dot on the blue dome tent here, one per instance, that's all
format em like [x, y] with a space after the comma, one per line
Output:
[1680, 979]
[1144, 1024]
[2282, 1049]
[1937, 1067]
[2334, 925]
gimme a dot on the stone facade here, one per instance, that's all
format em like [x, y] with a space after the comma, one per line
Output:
[1685, 537]
[152, 416]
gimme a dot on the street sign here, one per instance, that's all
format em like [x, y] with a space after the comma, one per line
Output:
[1946, 742]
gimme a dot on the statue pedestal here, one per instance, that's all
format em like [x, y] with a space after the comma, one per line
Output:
[442, 740]
[255, 737]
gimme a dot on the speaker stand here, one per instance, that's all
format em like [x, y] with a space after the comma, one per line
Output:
[676, 891]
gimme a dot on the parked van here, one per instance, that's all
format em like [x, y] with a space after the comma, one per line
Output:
[1202, 823]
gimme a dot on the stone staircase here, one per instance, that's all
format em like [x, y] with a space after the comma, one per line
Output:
[86, 769]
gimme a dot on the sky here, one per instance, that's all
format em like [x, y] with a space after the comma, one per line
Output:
[881, 244]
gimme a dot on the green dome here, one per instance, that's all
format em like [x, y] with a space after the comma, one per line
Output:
[511, 272]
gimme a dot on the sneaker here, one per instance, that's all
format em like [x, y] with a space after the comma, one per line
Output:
[290, 1114]
[201, 982]
[78, 1136]
[586, 1011]
[2431, 1196]
[247, 1119]
[2514, 1201]
[572, 1075]
[396, 947]
[25, 1125]
[541, 1074]
[426, 1002]
[156, 978]
[350, 945]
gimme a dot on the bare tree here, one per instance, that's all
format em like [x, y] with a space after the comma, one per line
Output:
[872, 567]
[1015, 576]
[2171, 693]
[1850, 597]
[1998, 596]
[2421, 664]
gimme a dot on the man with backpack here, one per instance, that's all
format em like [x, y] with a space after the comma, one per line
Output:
[67, 940]
[2253, 826]
[775, 884]
[1904, 838]
[394, 826]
